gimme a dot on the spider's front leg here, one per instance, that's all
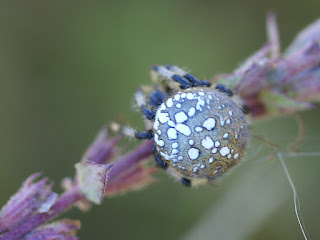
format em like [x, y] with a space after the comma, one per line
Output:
[194, 81]
[185, 182]
[167, 74]
[176, 74]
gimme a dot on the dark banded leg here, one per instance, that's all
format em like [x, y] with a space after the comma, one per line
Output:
[149, 114]
[184, 83]
[245, 109]
[223, 88]
[185, 182]
[194, 81]
[157, 97]
[144, 135]
[160, 162]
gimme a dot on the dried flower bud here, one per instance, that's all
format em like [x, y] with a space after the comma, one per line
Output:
[32, 198]
[96, 178]
[63, 230]
[102, 149]
[92, 180]
[305, 37]
[273, 84]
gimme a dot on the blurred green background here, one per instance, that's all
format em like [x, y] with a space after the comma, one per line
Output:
[69, 67]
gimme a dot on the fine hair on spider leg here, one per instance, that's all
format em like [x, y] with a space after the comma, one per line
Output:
[140, 98]
[167, 74]
[175, 73]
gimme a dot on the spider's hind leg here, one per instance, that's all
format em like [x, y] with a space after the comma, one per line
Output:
[185, 182]
[159, 161]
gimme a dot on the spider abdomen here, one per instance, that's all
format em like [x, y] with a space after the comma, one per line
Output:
[200, 133]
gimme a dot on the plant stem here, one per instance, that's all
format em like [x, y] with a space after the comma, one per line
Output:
[64, 202]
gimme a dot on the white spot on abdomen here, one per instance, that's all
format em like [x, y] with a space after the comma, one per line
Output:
[195, 169]
[193, 153]
[174, 145]
[172, 133]
[158, 142]
[174, 151]
[224, 151]
[184, 129]
[171, 123]
[162, 116]
[180, 117]
[200, 104]
[190, 96]
[156, 125]
[207, 142]
[169, 103]
[209, 123]
[191, 112]
[198, 129]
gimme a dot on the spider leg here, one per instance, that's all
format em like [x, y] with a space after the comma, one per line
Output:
[245, 109]
[149, 114]
[184, 83]
[160, 162]
[141, 102]
[157, 97]
[195, 82]
[223, 88]
[144, 135]
[185, 182]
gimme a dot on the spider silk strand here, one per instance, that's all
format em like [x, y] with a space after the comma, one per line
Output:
[295, 196]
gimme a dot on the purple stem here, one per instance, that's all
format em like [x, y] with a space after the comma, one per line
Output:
[105, 152]
[65, 201]
[142, 152]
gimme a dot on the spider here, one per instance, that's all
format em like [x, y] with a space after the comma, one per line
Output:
[199, 132]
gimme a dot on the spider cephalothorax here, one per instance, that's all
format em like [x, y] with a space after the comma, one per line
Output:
[199, 132]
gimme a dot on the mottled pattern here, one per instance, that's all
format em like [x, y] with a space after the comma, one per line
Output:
[200, 133]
